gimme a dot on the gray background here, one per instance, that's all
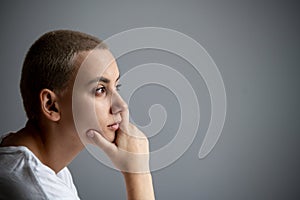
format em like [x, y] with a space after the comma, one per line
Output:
[256, 46]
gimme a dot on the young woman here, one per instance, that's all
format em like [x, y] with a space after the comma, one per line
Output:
[34, 159]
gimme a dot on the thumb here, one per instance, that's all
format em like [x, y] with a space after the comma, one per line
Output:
[97, 139]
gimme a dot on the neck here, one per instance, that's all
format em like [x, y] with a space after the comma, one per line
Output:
[54, 146]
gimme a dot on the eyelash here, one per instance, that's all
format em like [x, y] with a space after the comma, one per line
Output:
[104, 89]
[118, 87]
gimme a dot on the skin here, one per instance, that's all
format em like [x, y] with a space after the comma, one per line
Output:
[97, 105]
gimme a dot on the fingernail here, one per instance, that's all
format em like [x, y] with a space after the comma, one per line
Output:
[90, 134]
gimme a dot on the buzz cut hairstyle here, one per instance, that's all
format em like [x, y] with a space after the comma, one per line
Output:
[49, 64]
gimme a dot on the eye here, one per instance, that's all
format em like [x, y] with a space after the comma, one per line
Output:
[100, 90]
[118, 87]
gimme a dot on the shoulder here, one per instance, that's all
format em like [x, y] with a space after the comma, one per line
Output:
[13, 186]
[24, 174]
[17, 180]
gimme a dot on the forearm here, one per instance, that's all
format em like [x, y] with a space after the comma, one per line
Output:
[139, 186]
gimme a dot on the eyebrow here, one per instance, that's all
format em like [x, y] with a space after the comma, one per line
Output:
[102, 79]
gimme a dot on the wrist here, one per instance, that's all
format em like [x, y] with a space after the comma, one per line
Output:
[139, 186]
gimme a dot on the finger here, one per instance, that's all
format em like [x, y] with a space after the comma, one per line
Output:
[100, 141]
[125, 120]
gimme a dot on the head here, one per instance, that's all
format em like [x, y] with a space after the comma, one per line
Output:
[49, 71]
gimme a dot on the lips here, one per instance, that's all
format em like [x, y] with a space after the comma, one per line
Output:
[114, 126]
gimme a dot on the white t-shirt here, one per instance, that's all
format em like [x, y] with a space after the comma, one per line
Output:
[24, 176]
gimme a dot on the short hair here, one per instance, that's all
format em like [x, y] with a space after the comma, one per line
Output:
[49, 64]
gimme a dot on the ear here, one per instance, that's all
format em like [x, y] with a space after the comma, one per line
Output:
[49, 105]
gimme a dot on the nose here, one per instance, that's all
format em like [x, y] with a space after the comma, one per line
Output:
[117, 104]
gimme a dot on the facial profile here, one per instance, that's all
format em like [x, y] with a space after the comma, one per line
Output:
[96, 103]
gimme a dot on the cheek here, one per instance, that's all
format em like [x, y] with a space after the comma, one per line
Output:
[91, 113]
[84, 113]
[102, 111]
[104, 118]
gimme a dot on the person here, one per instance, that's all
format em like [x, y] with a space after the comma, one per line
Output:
[69, 86]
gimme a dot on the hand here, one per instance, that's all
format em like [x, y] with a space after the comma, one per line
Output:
[130, 154]
[130, 151]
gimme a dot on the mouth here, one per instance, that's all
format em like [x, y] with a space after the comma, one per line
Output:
[115, 126]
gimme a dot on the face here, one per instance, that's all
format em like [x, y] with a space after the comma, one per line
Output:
[96, 103]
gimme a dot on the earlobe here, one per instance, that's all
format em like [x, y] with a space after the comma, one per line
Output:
[49, 105]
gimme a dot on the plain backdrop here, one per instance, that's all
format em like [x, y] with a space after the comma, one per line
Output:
[256, 46]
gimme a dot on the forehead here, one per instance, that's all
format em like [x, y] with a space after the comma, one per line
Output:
[96, 63]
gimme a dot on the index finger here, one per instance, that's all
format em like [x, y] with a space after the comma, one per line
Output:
[125, 119]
